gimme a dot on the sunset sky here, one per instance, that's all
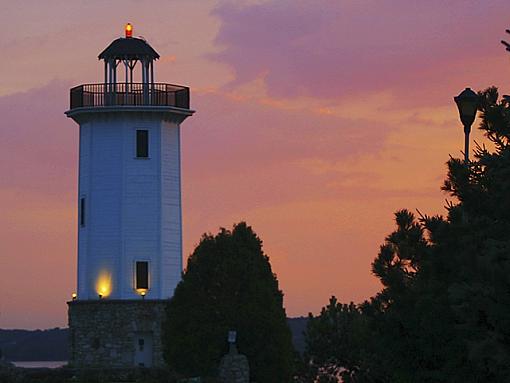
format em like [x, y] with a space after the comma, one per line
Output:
[316, 120]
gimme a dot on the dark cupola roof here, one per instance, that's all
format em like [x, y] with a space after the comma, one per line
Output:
[130, 48]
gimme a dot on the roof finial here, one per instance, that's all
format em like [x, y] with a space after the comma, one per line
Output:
[129, 30]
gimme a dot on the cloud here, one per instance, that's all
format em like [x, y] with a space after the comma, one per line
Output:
[237, 133]
[37, 142]
[332, 49]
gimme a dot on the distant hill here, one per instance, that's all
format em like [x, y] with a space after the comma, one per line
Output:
[26, 345]
[297, 327]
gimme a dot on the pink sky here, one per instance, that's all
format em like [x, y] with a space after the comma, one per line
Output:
[316, 120]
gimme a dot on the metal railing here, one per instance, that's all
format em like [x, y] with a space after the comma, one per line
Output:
[133, 94]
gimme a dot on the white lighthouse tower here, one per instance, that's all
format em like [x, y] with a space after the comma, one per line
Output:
[129, 208]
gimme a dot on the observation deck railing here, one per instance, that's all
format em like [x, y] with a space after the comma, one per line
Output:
[130, 94]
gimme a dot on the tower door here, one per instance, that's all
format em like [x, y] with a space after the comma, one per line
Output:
[143, 349]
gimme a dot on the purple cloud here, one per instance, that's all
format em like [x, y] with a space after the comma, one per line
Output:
[337, 48]
[38, 143]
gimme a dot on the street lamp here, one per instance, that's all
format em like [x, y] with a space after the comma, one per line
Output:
[467, 102]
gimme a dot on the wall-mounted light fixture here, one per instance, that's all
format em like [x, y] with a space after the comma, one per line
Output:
[104, 284]
[74, 296]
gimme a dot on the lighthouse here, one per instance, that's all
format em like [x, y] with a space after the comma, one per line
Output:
[129, 208]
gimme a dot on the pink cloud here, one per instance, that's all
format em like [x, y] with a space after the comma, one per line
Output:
[345, 48]
[237, 134]
[37, 142]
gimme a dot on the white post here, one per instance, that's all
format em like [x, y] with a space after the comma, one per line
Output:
[105, 89]
[145, 81]
[126, 90]
[115, 82]
[153, 94]
[110, 82]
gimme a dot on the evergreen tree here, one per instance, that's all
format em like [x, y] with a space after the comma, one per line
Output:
[228, 285]
[443, 314]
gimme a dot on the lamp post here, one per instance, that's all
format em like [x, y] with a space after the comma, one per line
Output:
[467, 102]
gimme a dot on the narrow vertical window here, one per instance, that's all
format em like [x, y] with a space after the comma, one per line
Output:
[142, 275]
[142, 143]
[82, 211]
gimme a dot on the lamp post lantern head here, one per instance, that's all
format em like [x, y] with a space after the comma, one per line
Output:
[467, 102]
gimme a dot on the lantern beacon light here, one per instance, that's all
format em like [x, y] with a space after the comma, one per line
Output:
[129, 31]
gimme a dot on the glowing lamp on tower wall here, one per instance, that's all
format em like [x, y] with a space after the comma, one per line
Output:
[104, 284]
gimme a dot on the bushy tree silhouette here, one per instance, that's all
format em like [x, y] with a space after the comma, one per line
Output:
[228, 284]
[443, 314]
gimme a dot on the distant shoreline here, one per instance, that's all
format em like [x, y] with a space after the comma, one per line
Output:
[40, 364]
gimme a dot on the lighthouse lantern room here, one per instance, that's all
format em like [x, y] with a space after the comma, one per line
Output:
[129, 207]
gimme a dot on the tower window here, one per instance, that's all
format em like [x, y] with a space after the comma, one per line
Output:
[82, 211]
[142, 143]
[142, 275]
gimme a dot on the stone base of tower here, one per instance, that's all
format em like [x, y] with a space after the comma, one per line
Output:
[116, 333]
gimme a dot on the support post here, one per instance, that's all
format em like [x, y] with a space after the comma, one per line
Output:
[105, 89]
[153, 94]
[145, 81]
[110, 82]
[126, 102]
[467, 130]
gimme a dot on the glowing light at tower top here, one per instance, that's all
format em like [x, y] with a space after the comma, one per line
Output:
[129, 30]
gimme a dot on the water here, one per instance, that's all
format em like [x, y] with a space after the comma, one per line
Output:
[41, 364]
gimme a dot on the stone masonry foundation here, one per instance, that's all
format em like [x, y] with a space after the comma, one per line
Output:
[115, 333]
